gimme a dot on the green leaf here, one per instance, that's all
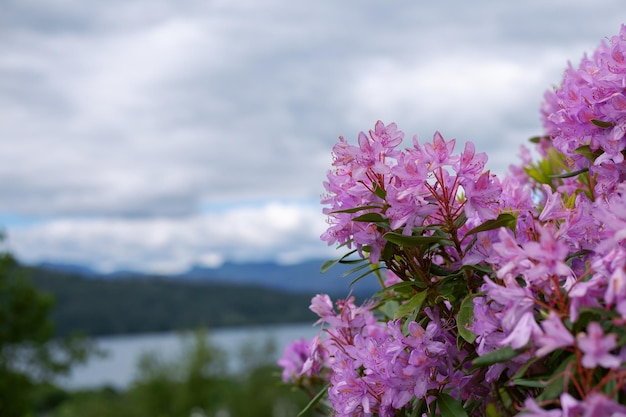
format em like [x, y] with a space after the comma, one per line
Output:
[370, 218]
[555, 382]
[314, 401]
[419, 408]
[586, 151]
[536, 172]
[415, 241]
[329, 264]
[449, 407]
[599, 314]
[537, 139]
[355, 209]
[365, 264]
[379, 192]
[452, 288]
[418, 230]
[403, 287]
[528, 382]
[503, 220]
[387, 253]
[492, 411]
[408, 319]
[570, 174]
[505, 397]
[414, 303]
[461, 220]
[602, 123]
[479, 268]
[544, 168]
[581, 252]
[524, 368]
[389, 308]
[611, 389]
[363, 275]
[435, 269]
[500, 355]
[465, 318]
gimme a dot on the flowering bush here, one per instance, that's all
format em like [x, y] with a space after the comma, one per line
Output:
[498, 296]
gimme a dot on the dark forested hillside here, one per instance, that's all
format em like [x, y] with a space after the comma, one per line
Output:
[303, 277]
[97, 306]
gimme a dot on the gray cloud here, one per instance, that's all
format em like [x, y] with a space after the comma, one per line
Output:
[135, 111]
[284, 232]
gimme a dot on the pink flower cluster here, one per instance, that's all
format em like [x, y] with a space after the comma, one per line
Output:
[585, 118]
[377, 368]
[412, 188]
[589, 108]
[503, 296]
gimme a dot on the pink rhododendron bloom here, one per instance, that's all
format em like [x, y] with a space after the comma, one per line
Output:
[521, 333]
[322, 305]
[611, 269]
[316, 358]
[586, 294]
[597, 404]
[388, 136]
[483, 196]
[295, 355]
[511, 257]
[593, 405]
[470, 164]
[596, 347]
[348, 393]
[439, 153]
[554, 336]
[549, 254]
[391, 279]
[532, 409]
[553, 208]
[611, 214]
[593, 91]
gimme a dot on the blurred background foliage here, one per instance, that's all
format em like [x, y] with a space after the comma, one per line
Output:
[195, 384]
[29, 355]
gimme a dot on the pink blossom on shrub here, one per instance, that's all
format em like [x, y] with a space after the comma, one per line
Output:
[498, 296]
[596, 347]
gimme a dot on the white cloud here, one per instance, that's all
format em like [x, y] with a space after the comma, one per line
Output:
[470, 97]
[279, 231]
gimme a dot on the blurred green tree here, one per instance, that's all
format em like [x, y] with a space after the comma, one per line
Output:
[29, 356]
[194, 382]
[197, 383]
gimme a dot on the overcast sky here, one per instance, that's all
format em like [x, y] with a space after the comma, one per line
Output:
[154, 135]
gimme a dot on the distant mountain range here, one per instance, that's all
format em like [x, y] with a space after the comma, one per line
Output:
[231, 295]
[304, 277]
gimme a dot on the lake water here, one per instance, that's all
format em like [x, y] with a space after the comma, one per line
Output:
[119, 366]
